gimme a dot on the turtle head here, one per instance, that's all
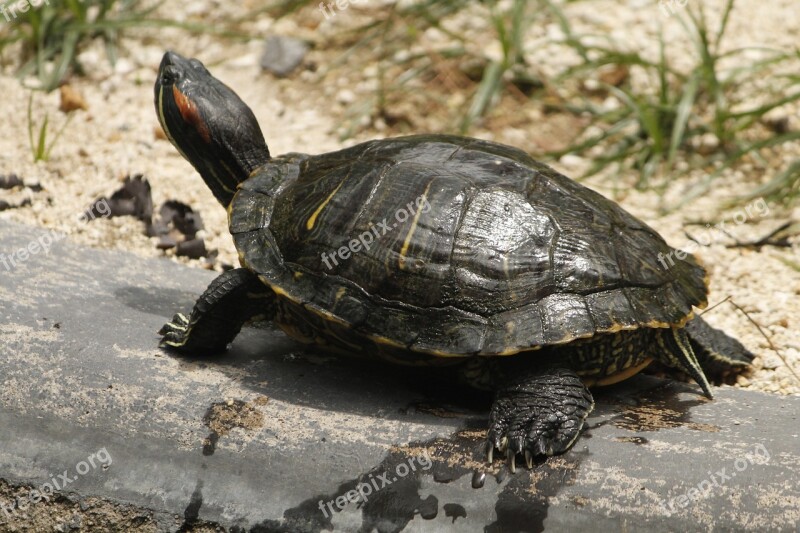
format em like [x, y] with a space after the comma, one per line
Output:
[209, 124]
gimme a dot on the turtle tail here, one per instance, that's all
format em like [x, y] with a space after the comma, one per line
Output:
[677, 352]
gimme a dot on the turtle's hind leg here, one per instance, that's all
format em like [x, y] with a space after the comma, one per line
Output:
[232, 299]
[717, 352]
[539, 413]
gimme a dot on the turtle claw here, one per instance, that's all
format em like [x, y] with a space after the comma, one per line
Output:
[512, 461]
[174, 332]
[540, 415]
[179, 324]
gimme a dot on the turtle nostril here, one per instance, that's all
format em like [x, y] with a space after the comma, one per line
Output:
[169, 75]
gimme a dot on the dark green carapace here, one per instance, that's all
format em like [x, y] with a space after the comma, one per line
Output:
[436, 249]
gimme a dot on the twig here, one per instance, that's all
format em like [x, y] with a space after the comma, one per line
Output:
[715, 305]
[783, 242]
[769, 341]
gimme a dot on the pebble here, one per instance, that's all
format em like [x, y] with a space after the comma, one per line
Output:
[282, 55]
[345, 97]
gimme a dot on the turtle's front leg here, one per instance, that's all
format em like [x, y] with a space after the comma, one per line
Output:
[232, 299]
[540, 413]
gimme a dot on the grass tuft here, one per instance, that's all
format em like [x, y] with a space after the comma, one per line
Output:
[695, 114]
[40, 148]
[51, 35]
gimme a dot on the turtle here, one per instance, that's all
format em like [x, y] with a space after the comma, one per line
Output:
[437, 249]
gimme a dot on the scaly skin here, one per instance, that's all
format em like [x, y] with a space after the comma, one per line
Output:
[539, 414]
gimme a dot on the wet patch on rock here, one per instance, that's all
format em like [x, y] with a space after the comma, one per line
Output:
[661, 409]
[634, 440]
[454, 511]
[222, 417]
[524, 503]
[438, 411]
[191, 515]
[389, 495]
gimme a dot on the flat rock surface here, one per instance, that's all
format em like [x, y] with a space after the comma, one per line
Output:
[265, 436]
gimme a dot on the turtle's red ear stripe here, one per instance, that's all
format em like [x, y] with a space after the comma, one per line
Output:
[190, 114]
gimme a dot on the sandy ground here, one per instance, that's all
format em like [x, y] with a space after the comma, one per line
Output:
[116, 137]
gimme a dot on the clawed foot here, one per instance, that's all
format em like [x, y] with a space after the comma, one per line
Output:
[174, 332]
[541, 414]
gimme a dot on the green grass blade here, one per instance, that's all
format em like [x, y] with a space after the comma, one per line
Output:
[487, 90]
[682, 115]
[41, 145]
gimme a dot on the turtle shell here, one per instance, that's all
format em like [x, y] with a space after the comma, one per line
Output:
[453, 246]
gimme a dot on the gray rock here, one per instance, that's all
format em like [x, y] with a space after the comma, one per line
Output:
[276, 436]
[283, 54]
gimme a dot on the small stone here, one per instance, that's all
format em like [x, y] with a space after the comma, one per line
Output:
[10, 181]
[615, 75]
[742, 381]
[572, 161]
[777, 121]
[165, 242]
[193, 249]
[283, 54]
[346, 96]
[706, 144]
[71, 100]
[124, 66]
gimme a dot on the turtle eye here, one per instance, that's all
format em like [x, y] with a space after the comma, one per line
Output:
[169, 75]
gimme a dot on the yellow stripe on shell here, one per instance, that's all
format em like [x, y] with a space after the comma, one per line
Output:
[313, 218]
[407, 242]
